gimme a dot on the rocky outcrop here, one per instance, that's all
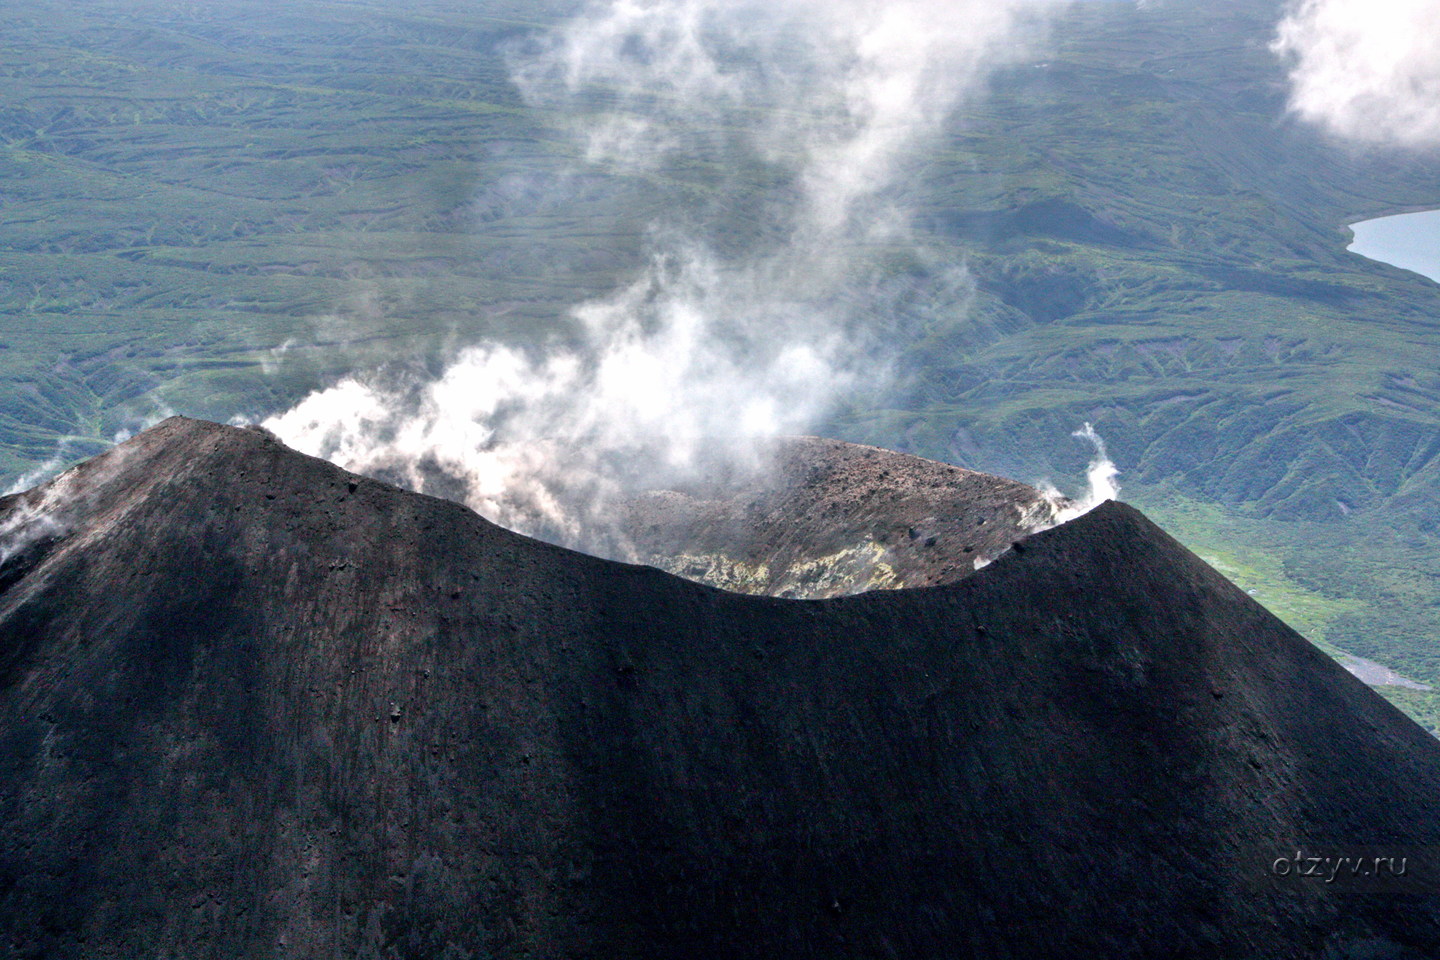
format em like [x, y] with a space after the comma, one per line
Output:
[827, 518]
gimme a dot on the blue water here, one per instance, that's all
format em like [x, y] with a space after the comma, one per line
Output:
[1407, 240]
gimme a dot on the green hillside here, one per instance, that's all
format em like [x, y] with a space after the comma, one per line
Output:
[186, 189]
[1163, 253]
[212, 208]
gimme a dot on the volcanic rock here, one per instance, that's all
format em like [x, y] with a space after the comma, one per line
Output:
[254, 706]
[827, 518]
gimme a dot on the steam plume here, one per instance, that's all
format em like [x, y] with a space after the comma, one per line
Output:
[702, 353]
[33, 520]
[1366, 71]
[33, 477]
[1101, 484]
[45, 512]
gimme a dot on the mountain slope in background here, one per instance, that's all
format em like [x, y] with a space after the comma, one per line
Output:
[253, 705]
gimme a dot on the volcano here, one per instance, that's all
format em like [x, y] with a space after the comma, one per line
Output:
[254, 706]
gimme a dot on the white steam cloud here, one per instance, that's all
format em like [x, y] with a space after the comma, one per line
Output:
[837, 89]
[36, 476]
[1366, 71]
[48, 512]
[703, 353]
[1101, 484]
[34, 519]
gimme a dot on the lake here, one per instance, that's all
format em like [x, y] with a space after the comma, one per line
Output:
[1407, 240]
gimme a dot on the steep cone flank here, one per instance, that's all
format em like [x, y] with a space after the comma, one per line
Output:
[254, 706]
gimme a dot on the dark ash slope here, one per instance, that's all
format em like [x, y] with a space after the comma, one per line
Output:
[253, 706]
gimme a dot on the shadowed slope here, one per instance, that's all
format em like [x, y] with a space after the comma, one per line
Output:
[251, 705]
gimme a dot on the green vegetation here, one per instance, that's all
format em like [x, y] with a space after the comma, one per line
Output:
[185, 190]
[1161, 253]
[213, 208]
[1423, 706]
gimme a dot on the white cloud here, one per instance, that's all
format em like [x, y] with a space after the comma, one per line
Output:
[1367, 71]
